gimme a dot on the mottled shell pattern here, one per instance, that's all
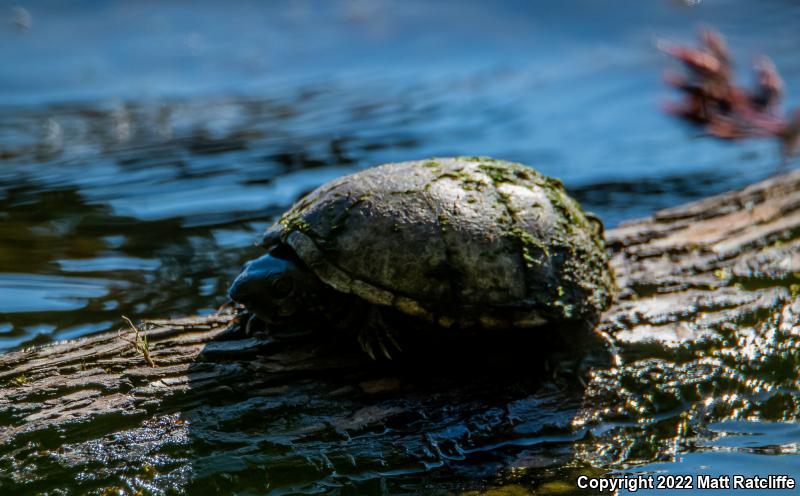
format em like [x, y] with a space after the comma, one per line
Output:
[467, 242]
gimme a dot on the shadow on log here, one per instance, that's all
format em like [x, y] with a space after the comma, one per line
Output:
[708, 308]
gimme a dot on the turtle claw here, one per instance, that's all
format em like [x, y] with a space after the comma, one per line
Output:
[381, 340]
[366, 345]
[385, 351]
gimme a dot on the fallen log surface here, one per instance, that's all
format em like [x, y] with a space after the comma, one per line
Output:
[708, 306]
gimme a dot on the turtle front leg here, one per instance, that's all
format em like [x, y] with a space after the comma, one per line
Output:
[376, 337]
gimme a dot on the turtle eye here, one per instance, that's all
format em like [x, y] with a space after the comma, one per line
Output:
[282, 287]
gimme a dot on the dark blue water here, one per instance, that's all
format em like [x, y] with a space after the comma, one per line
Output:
[144, 146]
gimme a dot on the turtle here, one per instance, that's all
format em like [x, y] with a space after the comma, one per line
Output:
[454, 243]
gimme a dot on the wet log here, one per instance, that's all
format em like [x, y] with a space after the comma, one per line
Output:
[727, 258]
[203, 405]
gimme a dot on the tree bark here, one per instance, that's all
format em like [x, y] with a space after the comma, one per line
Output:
[728, 258]
[93, 409]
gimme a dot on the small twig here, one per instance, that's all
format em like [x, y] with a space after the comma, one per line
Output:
[140, 343]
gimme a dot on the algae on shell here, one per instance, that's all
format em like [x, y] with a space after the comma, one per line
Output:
[469, 239]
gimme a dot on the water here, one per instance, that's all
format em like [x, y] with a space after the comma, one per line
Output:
[734, 447]
[143, 148]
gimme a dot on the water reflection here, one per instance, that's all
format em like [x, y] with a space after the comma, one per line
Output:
[37, 293]
[74, 267]
[735, 447]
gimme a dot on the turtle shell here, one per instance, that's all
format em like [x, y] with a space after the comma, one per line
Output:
[456, 241]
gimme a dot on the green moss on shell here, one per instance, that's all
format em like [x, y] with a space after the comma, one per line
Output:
[574, 249]
[530, 245]
[295, 223]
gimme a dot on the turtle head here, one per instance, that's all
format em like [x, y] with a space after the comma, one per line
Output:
[275, 287]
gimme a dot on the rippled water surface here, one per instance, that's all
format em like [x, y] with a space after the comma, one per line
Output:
[143, 147]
